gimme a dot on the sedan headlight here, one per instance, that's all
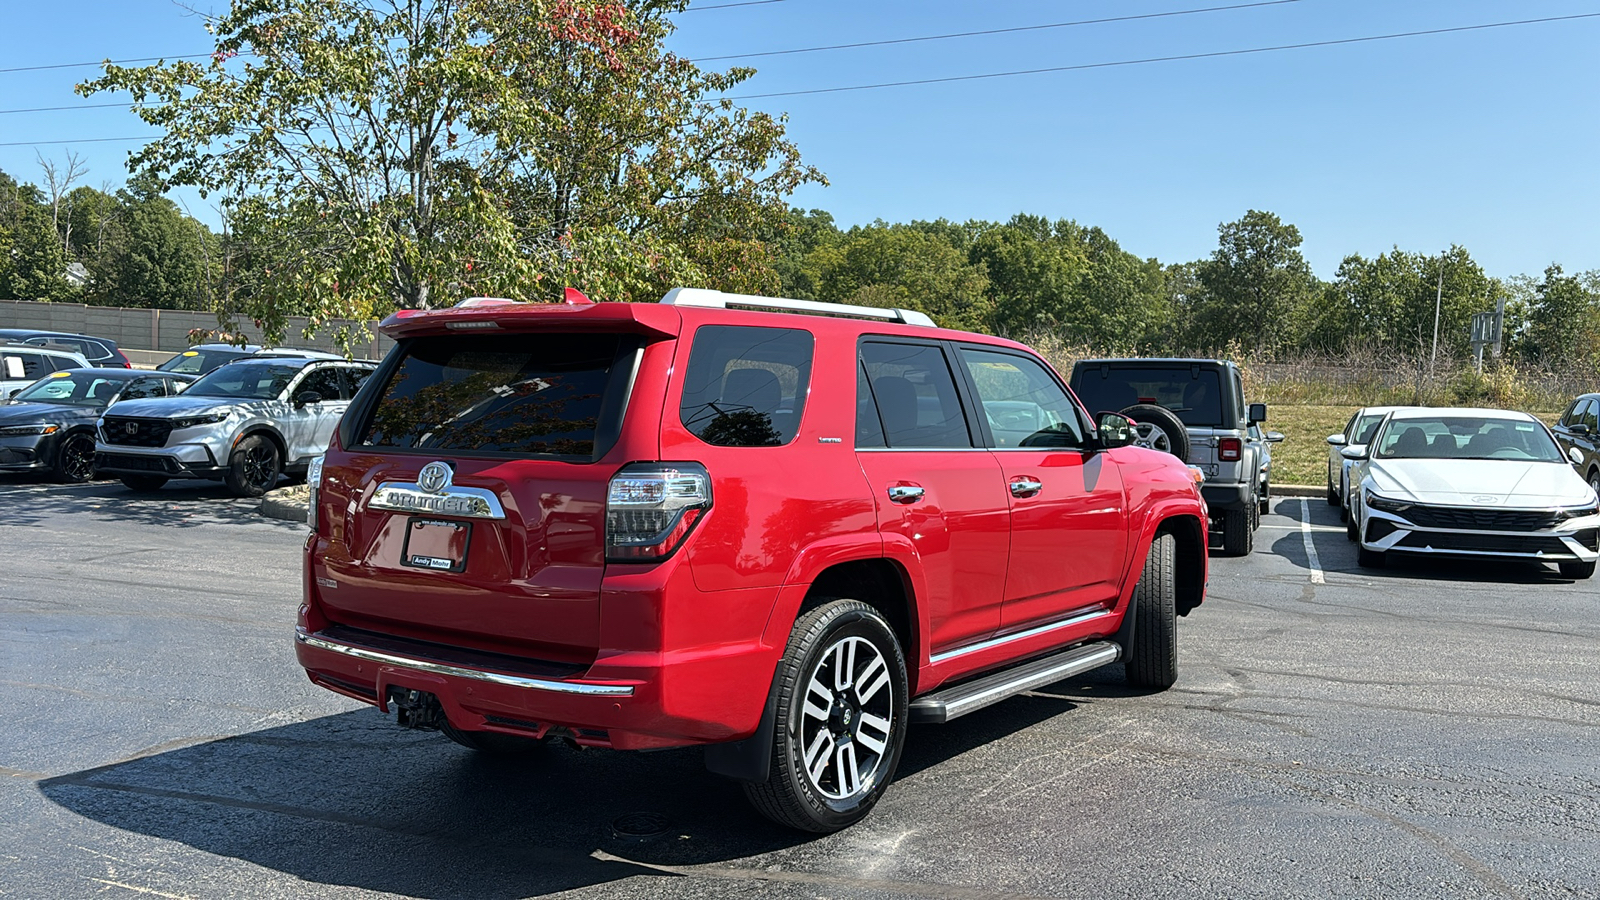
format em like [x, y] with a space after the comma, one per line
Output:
[193, 421]
[24, 430]
[1385, 504]
[1568, 512]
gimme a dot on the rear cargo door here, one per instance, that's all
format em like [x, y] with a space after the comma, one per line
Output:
[477, 502]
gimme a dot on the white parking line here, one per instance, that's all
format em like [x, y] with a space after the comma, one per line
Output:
[1311, 547]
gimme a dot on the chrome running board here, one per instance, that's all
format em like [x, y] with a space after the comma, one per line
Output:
[970, 696]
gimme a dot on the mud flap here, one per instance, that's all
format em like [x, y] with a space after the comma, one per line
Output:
[751, 758]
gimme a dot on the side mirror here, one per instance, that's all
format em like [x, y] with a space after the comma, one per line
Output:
[1576, 455]
[13, 393]
[1357, 453]
[1578, 428]
[306, 398]
[1258, 413]
[1336, 440]
[1116, 430]
[1274, 437]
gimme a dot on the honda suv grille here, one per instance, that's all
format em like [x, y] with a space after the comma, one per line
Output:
[132, 432]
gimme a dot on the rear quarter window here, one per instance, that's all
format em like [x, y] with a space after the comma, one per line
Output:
[550, 394]
[746, 386]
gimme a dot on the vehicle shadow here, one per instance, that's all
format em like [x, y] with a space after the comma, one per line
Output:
[349, 799]
[179, 504]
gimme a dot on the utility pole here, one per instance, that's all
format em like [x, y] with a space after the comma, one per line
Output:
[1438, 301]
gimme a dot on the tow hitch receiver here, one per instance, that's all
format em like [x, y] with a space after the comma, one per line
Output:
[416, 709]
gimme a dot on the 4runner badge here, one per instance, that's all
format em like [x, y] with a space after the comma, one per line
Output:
[434, 492]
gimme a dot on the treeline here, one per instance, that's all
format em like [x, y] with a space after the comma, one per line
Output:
[128, 247]
[1255, 293]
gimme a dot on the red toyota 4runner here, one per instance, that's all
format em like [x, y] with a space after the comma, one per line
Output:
[719, 520]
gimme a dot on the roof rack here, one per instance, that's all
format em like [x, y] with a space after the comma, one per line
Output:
[720, 300]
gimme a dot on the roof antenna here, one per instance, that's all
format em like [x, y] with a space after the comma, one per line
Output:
[575, 297]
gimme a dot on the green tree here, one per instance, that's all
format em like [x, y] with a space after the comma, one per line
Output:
[373, 155]
[909, 267]
[1253, 285]
[33, 263]
[1564, 319]
[1389, 300]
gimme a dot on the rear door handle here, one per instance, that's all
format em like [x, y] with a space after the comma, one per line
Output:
[1023, 487]
[905, 493]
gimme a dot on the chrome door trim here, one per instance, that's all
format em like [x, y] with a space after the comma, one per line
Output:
[1078, 617]
[438, 668]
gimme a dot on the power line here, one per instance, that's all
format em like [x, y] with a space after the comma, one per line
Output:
[85, 65]
[147, 137]
[966, 34]
[732, 5]
[36, 109]
[1161, 59]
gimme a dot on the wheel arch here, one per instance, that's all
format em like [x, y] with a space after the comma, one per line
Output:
[881, 584]
[261, 429]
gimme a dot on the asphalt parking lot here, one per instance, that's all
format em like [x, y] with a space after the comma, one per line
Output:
[1430, 730]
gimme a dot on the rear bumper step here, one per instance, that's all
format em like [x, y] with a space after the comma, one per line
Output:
[953, 702]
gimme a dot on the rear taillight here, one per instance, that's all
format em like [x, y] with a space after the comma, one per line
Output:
[1230, 449]
[313, 481]
[652, 507]
[120, 360]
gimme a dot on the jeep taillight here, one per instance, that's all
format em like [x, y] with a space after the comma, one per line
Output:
[1230, 449]
[652, 507]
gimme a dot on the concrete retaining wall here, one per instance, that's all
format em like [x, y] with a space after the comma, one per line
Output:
[164, 329]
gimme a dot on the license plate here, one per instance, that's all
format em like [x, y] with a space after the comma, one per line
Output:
[437, 545]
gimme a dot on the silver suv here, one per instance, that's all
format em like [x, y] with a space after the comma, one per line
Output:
[1196, 410]
[245, 423]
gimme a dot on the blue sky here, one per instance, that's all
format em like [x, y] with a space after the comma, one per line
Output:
[1485, 139]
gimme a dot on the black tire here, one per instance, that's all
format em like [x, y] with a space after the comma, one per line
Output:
[254, 467]
[1163, 430]
[1370, 559]
[1238, 537]
[75, 459]
[1153, 652]
[1344, 515]
[1576, 570]
[1333, 493]
[795, 794]
[142, 483]
[1351, 533]
[1265, 500]
[493, 743]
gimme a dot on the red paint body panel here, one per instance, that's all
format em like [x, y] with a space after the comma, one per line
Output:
[698, 635]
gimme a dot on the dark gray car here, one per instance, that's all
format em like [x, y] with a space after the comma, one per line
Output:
[1579, 429]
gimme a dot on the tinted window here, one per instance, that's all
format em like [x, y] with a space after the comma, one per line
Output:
[141, 388]
[255, 380]
[354, 379]
[16, 365]
[1194, 393]
[1572, 415]
[525, 394]
[1365, 428]
[196, 362]
[1589, 416]
[915, 396]
[746, 387]
[1024, 405]
[869, 430]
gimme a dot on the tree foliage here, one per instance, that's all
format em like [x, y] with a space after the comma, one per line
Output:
[381, 154]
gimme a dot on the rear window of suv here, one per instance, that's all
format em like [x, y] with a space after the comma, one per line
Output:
[1193, 393]
[746, 386]
[549, 394]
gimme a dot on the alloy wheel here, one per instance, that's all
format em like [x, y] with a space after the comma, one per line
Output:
[846, 719]
[1153, 437]
[77, 458]
[260, 467]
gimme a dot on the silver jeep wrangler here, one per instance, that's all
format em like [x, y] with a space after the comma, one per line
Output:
[1194, 409]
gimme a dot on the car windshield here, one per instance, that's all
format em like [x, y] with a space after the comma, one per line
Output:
[259, 380]
[72, 389]
[1467, 437]
[1194, 393]
[194, 362]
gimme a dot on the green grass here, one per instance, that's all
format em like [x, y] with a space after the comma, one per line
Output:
[1302, 458]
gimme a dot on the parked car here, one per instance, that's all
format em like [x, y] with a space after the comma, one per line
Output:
[1194, 409]
[49, 425]
[1357, 432]
[244, 423]
[1579, 429]
[1474, 483]
[23, 364]
[712, 521]
[1265, 440]
[202, 358]
[96, 351]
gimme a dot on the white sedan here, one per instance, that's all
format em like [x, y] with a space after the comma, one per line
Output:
[1475, 483]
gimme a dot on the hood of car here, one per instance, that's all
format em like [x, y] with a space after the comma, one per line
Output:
[1480, 482]
[174, 407]
[21, 413]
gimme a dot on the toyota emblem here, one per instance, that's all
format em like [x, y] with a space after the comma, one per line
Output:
[434, 477]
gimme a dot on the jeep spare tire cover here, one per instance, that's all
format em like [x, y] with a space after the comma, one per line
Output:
[1159, 429]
